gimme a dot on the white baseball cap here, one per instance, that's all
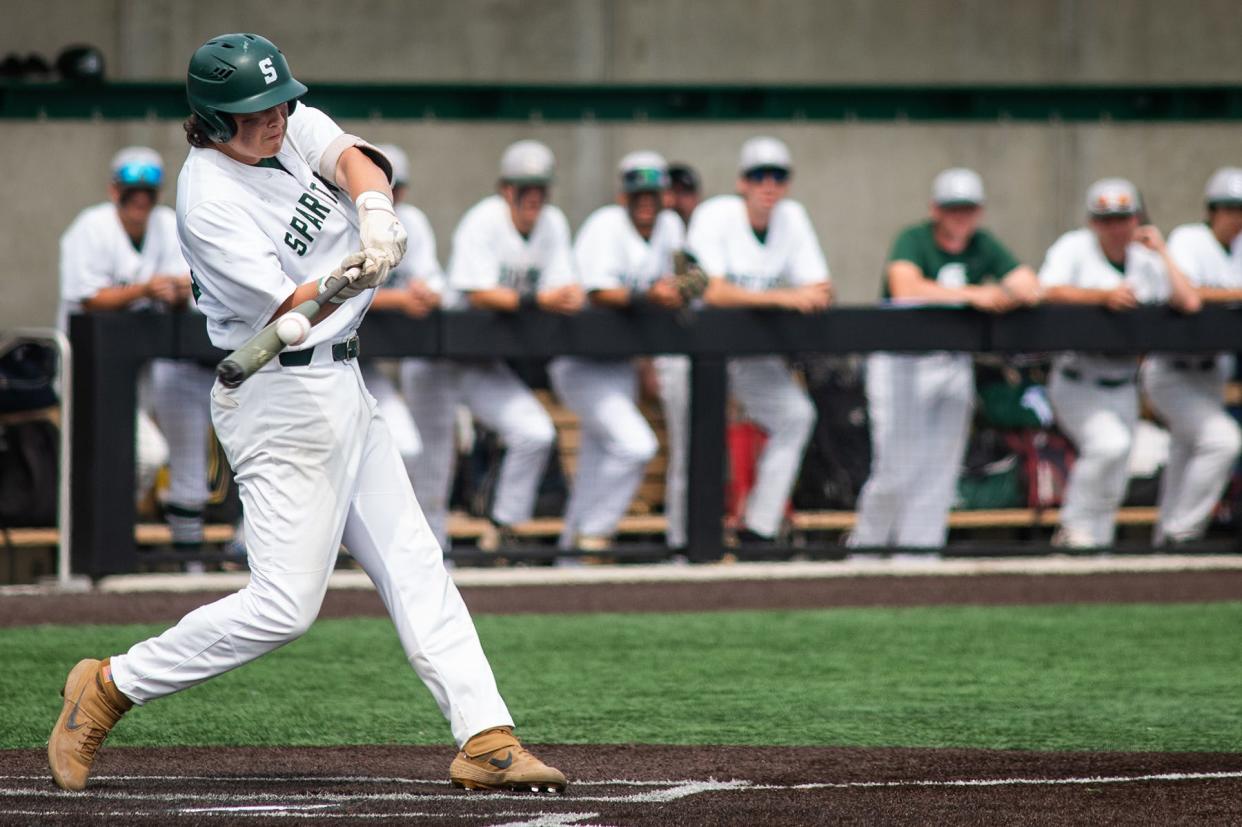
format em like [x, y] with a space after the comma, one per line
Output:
[138, 166]
[1225, 187]
[1112, 196]
[764, 152]
[400, 163]
[643, 170]
[527, 162]
[957, 186]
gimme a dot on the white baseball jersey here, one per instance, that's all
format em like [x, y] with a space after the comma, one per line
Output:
[488, 251]
[1076, 260]
[721, 238]
[97, 253]
[609, 253]
[420, 262]
[252, 234]
[1204, 260]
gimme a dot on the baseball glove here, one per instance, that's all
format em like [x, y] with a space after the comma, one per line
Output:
[689, 277]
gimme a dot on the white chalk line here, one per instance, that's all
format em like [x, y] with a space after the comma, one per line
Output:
[1013, 782]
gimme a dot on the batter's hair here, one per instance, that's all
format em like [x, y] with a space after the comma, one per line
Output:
[195, 133]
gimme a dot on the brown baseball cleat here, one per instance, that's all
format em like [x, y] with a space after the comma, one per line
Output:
[495, 760]
[92, 707]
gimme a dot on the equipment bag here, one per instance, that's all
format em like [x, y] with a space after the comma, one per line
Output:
[29, 453]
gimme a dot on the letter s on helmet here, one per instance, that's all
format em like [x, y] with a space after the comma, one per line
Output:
[235, 74]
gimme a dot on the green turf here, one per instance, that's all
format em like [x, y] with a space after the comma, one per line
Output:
[1118, 677]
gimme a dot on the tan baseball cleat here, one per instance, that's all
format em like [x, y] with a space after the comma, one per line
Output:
[92, 707]
[495, 760]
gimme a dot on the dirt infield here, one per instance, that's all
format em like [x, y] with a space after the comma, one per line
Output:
[987, 590]
[642, 784]
[638, 785]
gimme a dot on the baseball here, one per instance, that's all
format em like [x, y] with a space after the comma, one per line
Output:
[293, 328]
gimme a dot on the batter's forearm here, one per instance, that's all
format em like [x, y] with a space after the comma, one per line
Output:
[304, 292]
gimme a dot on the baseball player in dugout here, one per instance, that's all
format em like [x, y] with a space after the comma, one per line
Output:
[413, 287]
[510, 251]
[920, 404]
[1187, 390]
[624, 257]
[759, 250]
[124, 254]
[273, 201]
[1116, 263]
[684, 191]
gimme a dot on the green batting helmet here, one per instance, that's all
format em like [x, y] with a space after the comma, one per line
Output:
[235, 74]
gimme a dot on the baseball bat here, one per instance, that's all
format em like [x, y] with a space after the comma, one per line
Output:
[263, 347]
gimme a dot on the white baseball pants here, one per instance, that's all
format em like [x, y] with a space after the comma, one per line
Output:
[181, 402]
[316, 465]
[616, 442]
[673, 376]
[498, 399]
[1204, 446]
[765, 389]
[395, 412]
[920, 409]
[1101, 421]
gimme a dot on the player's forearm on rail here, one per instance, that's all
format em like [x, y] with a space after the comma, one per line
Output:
[504, 299]
[907, 282]
[1182, 294]
[722, 293]
[358, 174]
[115, 298]
[388, 300]
[612, 297]
[1064, 294]
[1219, 294]
[304, 292]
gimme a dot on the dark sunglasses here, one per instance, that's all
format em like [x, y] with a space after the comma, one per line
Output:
[139, 175]
[644, 179]
[778, 174]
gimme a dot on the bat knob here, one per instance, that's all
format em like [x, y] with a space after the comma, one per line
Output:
[230, 373]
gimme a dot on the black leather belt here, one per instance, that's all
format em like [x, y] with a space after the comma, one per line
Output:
[1205, 364]
[341, 351]
[1103, 381]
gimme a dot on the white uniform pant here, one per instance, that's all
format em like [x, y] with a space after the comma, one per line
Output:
[1101, 421]
[920, 409]
[395, 412]
[316, 465]
[497, 398]
[1204, 446]
[765, 389]
[673, 376]
[180, 401]
[616, 442]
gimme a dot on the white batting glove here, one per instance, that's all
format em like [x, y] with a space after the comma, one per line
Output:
[352, 262]
[380, 229]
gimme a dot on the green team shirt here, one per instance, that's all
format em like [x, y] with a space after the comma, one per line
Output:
[984, 258]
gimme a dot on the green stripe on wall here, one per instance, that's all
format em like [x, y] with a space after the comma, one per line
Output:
[661, 103]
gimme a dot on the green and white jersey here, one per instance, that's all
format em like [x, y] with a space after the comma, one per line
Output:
[97, 253]
[1076, 260]
[982, 259]
[253, 234]
[721, 238]
[1204, 260]
[488, 251]
[609, 252]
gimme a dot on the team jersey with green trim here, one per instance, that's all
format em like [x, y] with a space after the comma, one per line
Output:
[1204, 260]
[609, 253]
[252, 234]
[488, 251]
[721, 238]
[983, 258]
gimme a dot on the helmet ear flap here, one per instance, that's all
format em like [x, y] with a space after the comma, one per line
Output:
[220, 126]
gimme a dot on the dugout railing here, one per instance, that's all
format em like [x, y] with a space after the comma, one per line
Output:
[110, 349]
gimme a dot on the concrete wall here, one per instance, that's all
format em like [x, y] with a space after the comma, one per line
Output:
[773, 41]
[860, 181]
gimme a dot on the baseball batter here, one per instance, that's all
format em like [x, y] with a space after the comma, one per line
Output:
[124, 254]
[1187, 390]
[760, 250]
[1118, 264]
[510, 250]
[623, 254]
[413, 287]
[920, 405]
[273, 198]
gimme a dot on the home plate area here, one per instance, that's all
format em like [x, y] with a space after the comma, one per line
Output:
[648, 785]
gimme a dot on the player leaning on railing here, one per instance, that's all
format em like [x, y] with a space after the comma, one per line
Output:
[266, 208]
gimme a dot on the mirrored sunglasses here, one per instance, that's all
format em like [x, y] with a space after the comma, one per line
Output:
[139, 175]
